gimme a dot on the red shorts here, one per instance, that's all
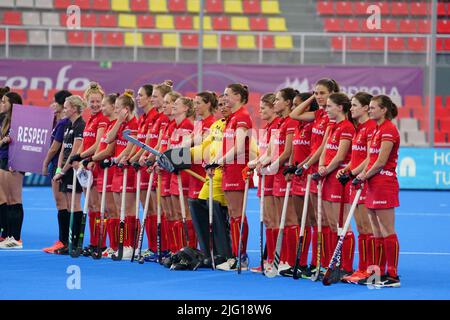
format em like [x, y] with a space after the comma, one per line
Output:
[165, 183]
[279, 184]
[299, 185]
[232, 178]
[95, 175]
[118, 180]
[313, 169]
[145, 176]
[382, 191]
[174, 184]
[362, 197]
[100, 175]
[268, 185]
[195, 185]
[332, 188]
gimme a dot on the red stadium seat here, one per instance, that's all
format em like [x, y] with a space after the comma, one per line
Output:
[443, 26]
[447, 48]
[114, 39]
[84, 4]
[267, 42]
[336, 43]
[344, 8]
[2, 36]
[440, 137]
[177, 6]
[258, 24]
[350, 25]
[376, 44]
[413, 101]
[152, 39]
[99, 39]
[332, 25]
[423, 26]
[441, 9]
[139, 5]
[107, 20]
[396, 44]
[101, 5]
[325, 7]
[358, 43]
[384, 7]
[189, 40]
[399, 8]
[440, 45]
[145, 21]
[404, 112]
[360, 8]
[418, 8]
[76, 37]
[407, 26]
[444, 125]
[214, 6]
[88, 20]
[18, 37]
[228, 41]
[417, 44]
[389, 26]
[221, 23]
[61, 4]
[251, 6]
[12, 18]
[183, 23]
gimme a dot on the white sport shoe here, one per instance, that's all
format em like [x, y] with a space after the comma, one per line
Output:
[108, 253]
[11, 243]
[231, 264]
[127, 253]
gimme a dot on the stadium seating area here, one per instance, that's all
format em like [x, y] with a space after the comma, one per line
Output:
[158, 17]
[397, 17]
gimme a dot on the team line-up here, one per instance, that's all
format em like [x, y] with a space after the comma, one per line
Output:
[321, 159]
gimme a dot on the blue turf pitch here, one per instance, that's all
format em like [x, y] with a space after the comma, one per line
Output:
[423, 224]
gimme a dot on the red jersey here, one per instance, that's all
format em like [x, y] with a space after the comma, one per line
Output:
[145, 123]
[363, 135]
[269, 130]
[161, 120]
[102, 145]
[343, 130]
[286, 126]
[319, 127]
[166, 134]
[95, 122]
[301, 142]
[387, 131]
[240, 119]
[184, 128]
[121, 142]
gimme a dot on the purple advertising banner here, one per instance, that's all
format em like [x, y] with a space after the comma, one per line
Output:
[31, 129]
[396, 82]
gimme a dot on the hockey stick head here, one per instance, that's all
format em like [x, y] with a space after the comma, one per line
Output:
[175, 159]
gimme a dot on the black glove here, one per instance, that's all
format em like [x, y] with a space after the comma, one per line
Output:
[120, 165]
[345, 178]
[85, 162]
[299, 171]
[316, 176]
[106, 163]
[149, 163]
[211, 166]
[290, 170]
[75, 157]
[136, 166]
[357, 183]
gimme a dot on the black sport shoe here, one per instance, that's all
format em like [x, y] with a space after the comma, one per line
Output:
[87, 251]
[62, 251]
[387, 281]
[302, 272]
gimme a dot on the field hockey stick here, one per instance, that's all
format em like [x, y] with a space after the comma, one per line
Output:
[336, 258]
[211, 233]
[302, 227]
[241, 230]
[118, 256]
[72, 209]
[183, 209]
[79, 248]
[138, 197]
[274, 270]
[140, 258]
[158, 220]
[97, 254]
[261, 223]
[315, 275]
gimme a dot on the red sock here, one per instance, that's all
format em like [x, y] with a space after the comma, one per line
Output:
[113, 233]
[392, 249]
[363, 251]
[305, 247]
[93, 241]
[192, 235]
[270, 246]
[150, 229]
[370, 250]
[315, 237]
[348, 252]
[380, 256]
[178, 235]
[292, 234]
[236, 223]
[326, 244]
[333, 243]
[164, 234]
